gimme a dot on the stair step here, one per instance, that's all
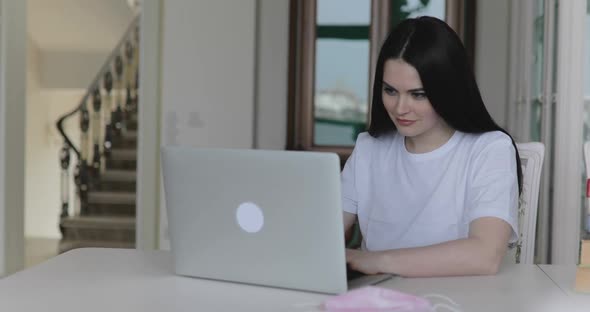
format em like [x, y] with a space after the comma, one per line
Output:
[113, 198]
[127, 140]
[109, 210]
[114, 186]
[124, 154]
[130, 135]
[131, 123]
[118, 164]
[99, 222]
[66, 245]
[118, 176]
[98, 228]
[116, 180]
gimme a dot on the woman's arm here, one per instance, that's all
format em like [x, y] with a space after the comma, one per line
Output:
[349, 219]
[481, 253]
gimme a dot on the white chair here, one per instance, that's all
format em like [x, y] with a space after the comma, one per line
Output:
[531, 159]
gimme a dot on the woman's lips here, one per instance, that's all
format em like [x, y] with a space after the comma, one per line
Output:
[405, 122]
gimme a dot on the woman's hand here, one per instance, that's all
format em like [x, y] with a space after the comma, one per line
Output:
[366, 262]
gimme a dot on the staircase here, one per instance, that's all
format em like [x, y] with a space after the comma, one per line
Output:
[105, 176]
[109, 220]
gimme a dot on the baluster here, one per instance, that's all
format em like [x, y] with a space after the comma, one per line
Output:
[128, 103]
[136, 70]
[82, 177]
[117, 117]
[136, 99]
[64, 159]
[96, 161]
[129, 77]
[108, 131]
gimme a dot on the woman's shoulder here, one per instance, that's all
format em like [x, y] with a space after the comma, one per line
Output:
[493, 142]
[491, 138]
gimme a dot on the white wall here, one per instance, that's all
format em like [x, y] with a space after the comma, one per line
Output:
[82, 67]
[272, 73]
[36, 142]
[43, 142]
[227, 90]
[13, 42]
[491, 56]
[148, 186]
[208, 83]
[208, 72]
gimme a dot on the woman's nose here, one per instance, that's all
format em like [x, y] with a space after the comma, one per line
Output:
[402, 106]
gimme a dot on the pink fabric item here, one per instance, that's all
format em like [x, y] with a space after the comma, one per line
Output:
[375, 299]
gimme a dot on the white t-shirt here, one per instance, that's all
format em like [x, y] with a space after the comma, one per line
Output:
[411, 200]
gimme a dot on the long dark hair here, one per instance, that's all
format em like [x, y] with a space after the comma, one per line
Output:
[435, 50]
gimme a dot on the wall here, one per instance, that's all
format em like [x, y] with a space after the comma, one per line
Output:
[207, 73]
[82, 67]
[13, 41]
[207, 90]
[148, 186]
[227, 90]
[36, 142]
[272, 73]
[491, 56]
[43, 142]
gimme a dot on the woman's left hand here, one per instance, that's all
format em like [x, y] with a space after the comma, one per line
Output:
[366, 262]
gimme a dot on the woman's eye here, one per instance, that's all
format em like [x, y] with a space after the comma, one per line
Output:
[419, 95]
[389, 91]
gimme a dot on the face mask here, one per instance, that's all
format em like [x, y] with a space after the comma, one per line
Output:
[374, 299]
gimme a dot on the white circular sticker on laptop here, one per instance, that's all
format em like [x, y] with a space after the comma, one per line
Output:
[250, 217]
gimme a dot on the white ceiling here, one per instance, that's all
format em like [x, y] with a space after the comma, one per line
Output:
[77, 25]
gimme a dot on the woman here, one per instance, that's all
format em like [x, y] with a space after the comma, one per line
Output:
[435, 181]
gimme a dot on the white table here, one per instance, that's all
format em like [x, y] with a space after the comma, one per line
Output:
[131, 280]
[565, 277]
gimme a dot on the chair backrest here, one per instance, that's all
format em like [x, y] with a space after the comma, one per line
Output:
[531, 158]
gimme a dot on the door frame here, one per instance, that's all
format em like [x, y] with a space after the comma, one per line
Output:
[559, 215]
[569, 109]
[148, 141]
[13, 88]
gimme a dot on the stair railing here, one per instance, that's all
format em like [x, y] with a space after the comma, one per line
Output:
[105, 123]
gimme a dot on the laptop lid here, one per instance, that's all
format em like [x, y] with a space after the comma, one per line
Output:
[261, 217]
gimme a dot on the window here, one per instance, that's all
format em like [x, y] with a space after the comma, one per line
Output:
[334, 46]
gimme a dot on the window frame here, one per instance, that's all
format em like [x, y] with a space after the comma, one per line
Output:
[460, 14]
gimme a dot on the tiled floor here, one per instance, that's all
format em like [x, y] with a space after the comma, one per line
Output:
[39, 249]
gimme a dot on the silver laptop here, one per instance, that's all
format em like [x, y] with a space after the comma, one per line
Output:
[270, 218]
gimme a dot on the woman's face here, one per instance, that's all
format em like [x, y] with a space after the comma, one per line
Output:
[407, 104]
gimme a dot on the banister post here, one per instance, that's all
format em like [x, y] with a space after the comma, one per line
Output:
[96, 158]
[64, 159]
[82, 177]
[108, 133]
[117, 118]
